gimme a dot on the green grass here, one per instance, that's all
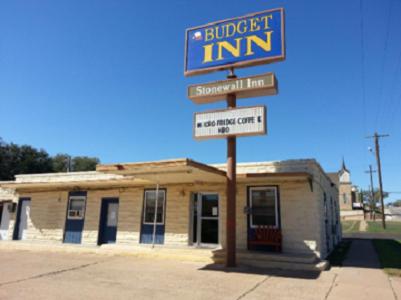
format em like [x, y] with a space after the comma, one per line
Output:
[350, 226]
[389, 252]
[338, 255]
[391, 227]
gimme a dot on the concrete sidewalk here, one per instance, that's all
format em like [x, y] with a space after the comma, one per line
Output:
[361, 276]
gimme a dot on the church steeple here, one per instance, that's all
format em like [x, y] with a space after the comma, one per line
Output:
[344, 173]
[343, 167]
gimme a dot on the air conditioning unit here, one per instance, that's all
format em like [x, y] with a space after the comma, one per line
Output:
[75, 214]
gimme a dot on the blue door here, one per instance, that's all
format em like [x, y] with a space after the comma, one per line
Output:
[74, 223]
[108, 221]
[152, 230]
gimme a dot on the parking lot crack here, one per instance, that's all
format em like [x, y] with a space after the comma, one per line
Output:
[333, 284]
[392, 288]
[242, 296]
[53, 273]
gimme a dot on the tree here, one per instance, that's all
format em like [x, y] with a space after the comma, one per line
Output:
[396, 203]
[24, 159]
[367, 198]
[15, 159]
[61, 162]
[84, 163]
[367, 195]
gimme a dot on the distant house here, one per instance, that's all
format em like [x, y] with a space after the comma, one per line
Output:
[180, 203]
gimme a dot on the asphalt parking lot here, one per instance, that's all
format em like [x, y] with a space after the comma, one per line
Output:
[53, 275]
[43, 275]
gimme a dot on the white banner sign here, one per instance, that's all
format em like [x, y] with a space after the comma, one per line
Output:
[242, 121]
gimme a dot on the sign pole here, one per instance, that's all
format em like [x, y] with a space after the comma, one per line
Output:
[231, 186]
[202, 56]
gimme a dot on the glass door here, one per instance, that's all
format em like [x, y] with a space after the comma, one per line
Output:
[205, 219]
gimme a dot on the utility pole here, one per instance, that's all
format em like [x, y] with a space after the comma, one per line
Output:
[376, 137]
[372, 193]
[68, 163]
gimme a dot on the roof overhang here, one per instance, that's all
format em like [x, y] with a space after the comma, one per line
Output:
[279, 176]
[275, 175]
[167, 171]
[179, 171]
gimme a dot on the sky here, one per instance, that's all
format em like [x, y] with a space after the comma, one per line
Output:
[105, 79]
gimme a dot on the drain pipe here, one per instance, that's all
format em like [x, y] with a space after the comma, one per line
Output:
[155, 217]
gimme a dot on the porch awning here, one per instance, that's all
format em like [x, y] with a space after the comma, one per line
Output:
[178, 171]
[167, 171]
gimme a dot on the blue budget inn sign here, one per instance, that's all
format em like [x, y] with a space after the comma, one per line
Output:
[234, 43]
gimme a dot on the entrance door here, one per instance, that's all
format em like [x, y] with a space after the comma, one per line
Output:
[74, 223]
[153, 220]
[263, 204]
[108, 221]
[22, 219]
[205, 218]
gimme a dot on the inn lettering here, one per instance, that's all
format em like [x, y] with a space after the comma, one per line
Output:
[214, 51]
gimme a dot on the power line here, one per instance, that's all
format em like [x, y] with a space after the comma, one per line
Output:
[393, 84]
[378, 114]
[362, 67]
[394, 111]
[363, 79]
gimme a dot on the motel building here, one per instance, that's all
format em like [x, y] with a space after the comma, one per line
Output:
[287, 212]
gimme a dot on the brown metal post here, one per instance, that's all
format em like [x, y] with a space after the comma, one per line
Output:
[379, 171]
[231, 189]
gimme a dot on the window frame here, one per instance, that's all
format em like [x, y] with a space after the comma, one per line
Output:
[144, 207]
[276, 204]
[69, 217]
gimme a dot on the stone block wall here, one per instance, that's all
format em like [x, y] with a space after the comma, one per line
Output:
[301, 213]
[46, 217]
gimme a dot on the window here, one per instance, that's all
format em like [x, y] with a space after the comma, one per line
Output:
[263, 204]
[112, 217]
[345, 198]
[76, 207]
[150, 204]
